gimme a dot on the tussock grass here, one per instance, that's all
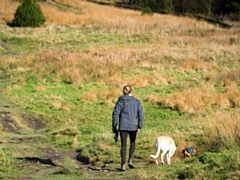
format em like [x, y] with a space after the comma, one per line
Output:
[71, 72]
[224, 131]
[195, 100]
[77, 67]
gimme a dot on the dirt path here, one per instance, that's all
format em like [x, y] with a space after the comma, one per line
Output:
[26, 139]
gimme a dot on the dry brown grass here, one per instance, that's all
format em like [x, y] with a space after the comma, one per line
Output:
[90, 96]
[105, 96]
[198, 100]
[129, 21]
[40, 88]
[232, 75]
[233, 96]
[177, 43]
[7, 10]
[166, 50]
[224, 129]
[60, 106]
[191, 100]
[195, 65]
[54, 15]
[77, 67]
[124, 20]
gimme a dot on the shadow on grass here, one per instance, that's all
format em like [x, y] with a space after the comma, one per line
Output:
[40, 160]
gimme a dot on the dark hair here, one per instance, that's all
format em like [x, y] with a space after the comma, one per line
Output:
[127, 90]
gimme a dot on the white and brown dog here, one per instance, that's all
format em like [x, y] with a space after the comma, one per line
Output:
[167, 145]
[189, 152]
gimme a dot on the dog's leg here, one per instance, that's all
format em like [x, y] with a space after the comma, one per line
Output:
[168, 157]
[172, 151]
[163, 153]
[156, 160]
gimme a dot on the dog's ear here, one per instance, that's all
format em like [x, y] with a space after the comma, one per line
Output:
[195, 151]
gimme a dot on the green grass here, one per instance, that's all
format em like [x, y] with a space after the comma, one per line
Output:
[84, 125]
[92, 122]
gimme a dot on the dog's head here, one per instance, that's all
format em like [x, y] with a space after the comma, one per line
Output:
[188, 152]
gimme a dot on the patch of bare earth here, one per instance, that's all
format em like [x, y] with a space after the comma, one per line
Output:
[20, 124]
[12, 123]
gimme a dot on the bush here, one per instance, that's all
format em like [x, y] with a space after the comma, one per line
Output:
[28, 14]
[147, 11]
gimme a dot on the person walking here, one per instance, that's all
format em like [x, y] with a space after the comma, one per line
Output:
[127, 118]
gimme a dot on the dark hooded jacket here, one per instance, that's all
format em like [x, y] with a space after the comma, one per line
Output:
[127, 114]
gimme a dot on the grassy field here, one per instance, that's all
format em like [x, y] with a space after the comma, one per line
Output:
[59, 84]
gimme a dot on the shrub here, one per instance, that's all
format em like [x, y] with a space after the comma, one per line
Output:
[28, 14]
[147, 11]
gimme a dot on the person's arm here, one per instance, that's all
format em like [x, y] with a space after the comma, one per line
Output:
[115, 116]
[140, 117]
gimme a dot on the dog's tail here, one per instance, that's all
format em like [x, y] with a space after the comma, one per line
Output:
[157, 152]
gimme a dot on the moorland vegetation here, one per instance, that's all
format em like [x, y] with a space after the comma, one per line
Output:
[69, 73]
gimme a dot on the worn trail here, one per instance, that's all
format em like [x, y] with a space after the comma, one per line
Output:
[25, 138]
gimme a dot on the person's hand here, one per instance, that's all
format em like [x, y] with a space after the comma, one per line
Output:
[114, 130]
[138, 130]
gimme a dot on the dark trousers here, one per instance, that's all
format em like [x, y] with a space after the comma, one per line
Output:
[132, 136]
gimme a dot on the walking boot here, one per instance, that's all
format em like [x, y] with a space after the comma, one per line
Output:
[130, 164]
[123, 167]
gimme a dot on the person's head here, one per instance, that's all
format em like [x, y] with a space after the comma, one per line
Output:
[127, 90]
